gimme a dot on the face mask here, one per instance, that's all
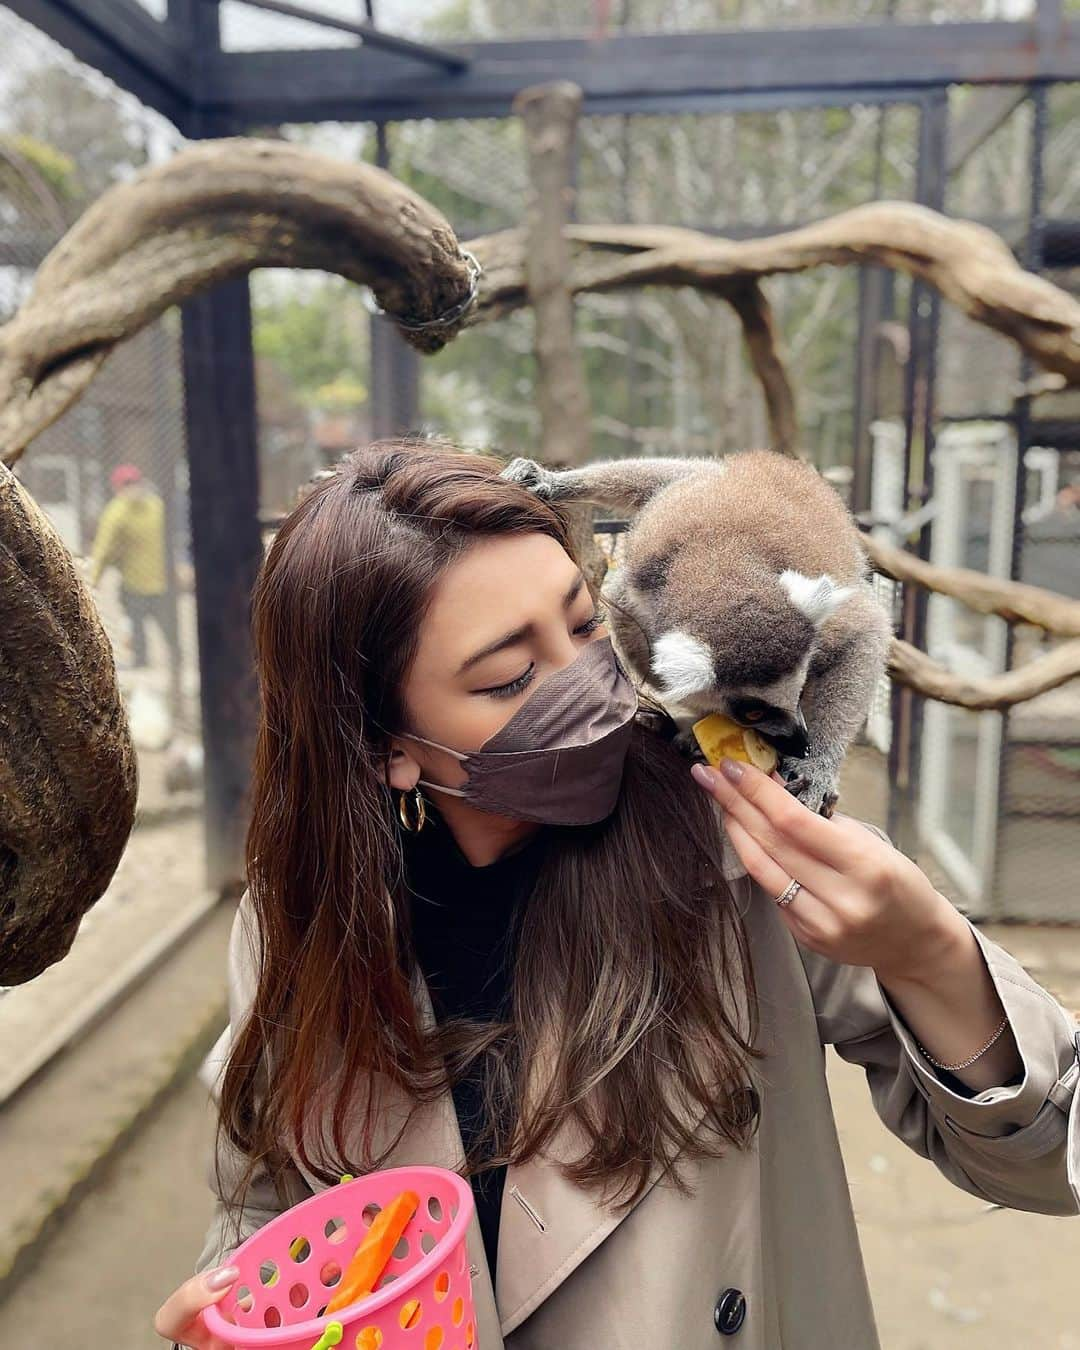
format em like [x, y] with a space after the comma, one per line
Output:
[560, 757]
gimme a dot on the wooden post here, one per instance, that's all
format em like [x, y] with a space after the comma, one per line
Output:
[550, 115]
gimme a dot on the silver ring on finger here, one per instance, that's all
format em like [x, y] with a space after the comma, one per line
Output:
[789, 892]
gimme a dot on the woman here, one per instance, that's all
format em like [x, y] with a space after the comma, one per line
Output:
[567, 970]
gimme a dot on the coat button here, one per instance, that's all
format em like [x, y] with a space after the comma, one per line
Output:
[730, 1311]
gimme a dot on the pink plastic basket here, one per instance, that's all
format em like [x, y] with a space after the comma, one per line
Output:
[290, 1267]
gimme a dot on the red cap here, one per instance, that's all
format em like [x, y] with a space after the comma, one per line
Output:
[123, 474]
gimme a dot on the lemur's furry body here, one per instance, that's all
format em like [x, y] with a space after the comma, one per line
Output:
[743, 590]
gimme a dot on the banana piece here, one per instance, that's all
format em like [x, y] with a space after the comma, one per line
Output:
[719, 736]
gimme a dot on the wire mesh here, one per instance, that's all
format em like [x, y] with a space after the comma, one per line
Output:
[67, 135]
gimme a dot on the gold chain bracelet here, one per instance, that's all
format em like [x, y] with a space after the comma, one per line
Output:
[951, 1068]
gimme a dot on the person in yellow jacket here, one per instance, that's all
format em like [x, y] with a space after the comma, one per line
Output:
[131, 535]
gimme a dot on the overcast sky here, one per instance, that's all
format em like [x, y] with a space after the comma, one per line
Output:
[244, 26]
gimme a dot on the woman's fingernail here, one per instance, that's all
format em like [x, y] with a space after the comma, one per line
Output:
[703, 775]
[731, 768]
[224, 1275]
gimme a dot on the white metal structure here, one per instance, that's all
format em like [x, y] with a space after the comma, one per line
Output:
[975, 481]
[886, 504]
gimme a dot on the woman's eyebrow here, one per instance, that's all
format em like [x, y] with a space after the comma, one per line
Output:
[518, 633]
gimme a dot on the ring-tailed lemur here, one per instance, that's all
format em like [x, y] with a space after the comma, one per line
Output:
[746, 592]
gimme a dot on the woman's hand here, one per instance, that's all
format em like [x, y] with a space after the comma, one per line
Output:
[180, 1317]
[862, 901]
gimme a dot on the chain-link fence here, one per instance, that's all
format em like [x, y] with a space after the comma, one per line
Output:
[999, 798]
[111, 474]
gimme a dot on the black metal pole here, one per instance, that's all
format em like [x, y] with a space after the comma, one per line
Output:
[395, 366]
[869, 314]
[367, 33]
[226, 541]
[1033, 258]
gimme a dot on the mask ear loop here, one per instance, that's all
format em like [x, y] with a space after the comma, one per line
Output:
[418, 796]
[458, 755]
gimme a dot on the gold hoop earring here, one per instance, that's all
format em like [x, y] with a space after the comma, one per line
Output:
[421, 810]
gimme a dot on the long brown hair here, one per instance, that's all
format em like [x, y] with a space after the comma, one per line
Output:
[630, 937]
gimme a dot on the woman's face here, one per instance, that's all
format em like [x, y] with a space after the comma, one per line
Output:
[511, 611]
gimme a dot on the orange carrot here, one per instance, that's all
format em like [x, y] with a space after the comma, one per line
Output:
[371, 1257]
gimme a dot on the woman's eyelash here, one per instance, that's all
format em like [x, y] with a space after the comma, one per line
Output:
[590, 625]
[516, 686]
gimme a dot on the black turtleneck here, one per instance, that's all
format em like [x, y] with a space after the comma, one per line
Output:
[464, 931]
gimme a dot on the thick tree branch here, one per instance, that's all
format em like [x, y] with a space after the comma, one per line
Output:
[215, 210]
[1014, 601]
[763, 345]
[68, 773]
[970, 265]
[909, 666]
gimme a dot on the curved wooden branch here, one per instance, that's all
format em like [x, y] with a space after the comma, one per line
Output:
[911, 667]
[502, 257]
[755, 313]
[970, 265]
[1011, 600]
[214, 211]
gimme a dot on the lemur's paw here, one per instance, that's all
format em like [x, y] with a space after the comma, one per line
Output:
[687, 745]
[538, 480]
[814, 787]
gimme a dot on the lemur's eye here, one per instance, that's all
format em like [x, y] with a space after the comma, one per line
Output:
[754, 714]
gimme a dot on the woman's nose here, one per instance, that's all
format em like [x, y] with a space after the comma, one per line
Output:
[566, 648]
[559, 650]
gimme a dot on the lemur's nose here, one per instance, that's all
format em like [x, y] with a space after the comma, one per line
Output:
[796, 742]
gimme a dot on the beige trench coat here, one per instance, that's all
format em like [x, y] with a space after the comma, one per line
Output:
[773, 1221]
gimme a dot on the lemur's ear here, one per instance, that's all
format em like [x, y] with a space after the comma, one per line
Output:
[817, 597]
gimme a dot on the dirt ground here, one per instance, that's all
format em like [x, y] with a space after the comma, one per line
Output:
[946, 1270]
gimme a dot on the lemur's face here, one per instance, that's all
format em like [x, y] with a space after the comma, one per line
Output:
[740, 645]
[689, 675]
[783, 726]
